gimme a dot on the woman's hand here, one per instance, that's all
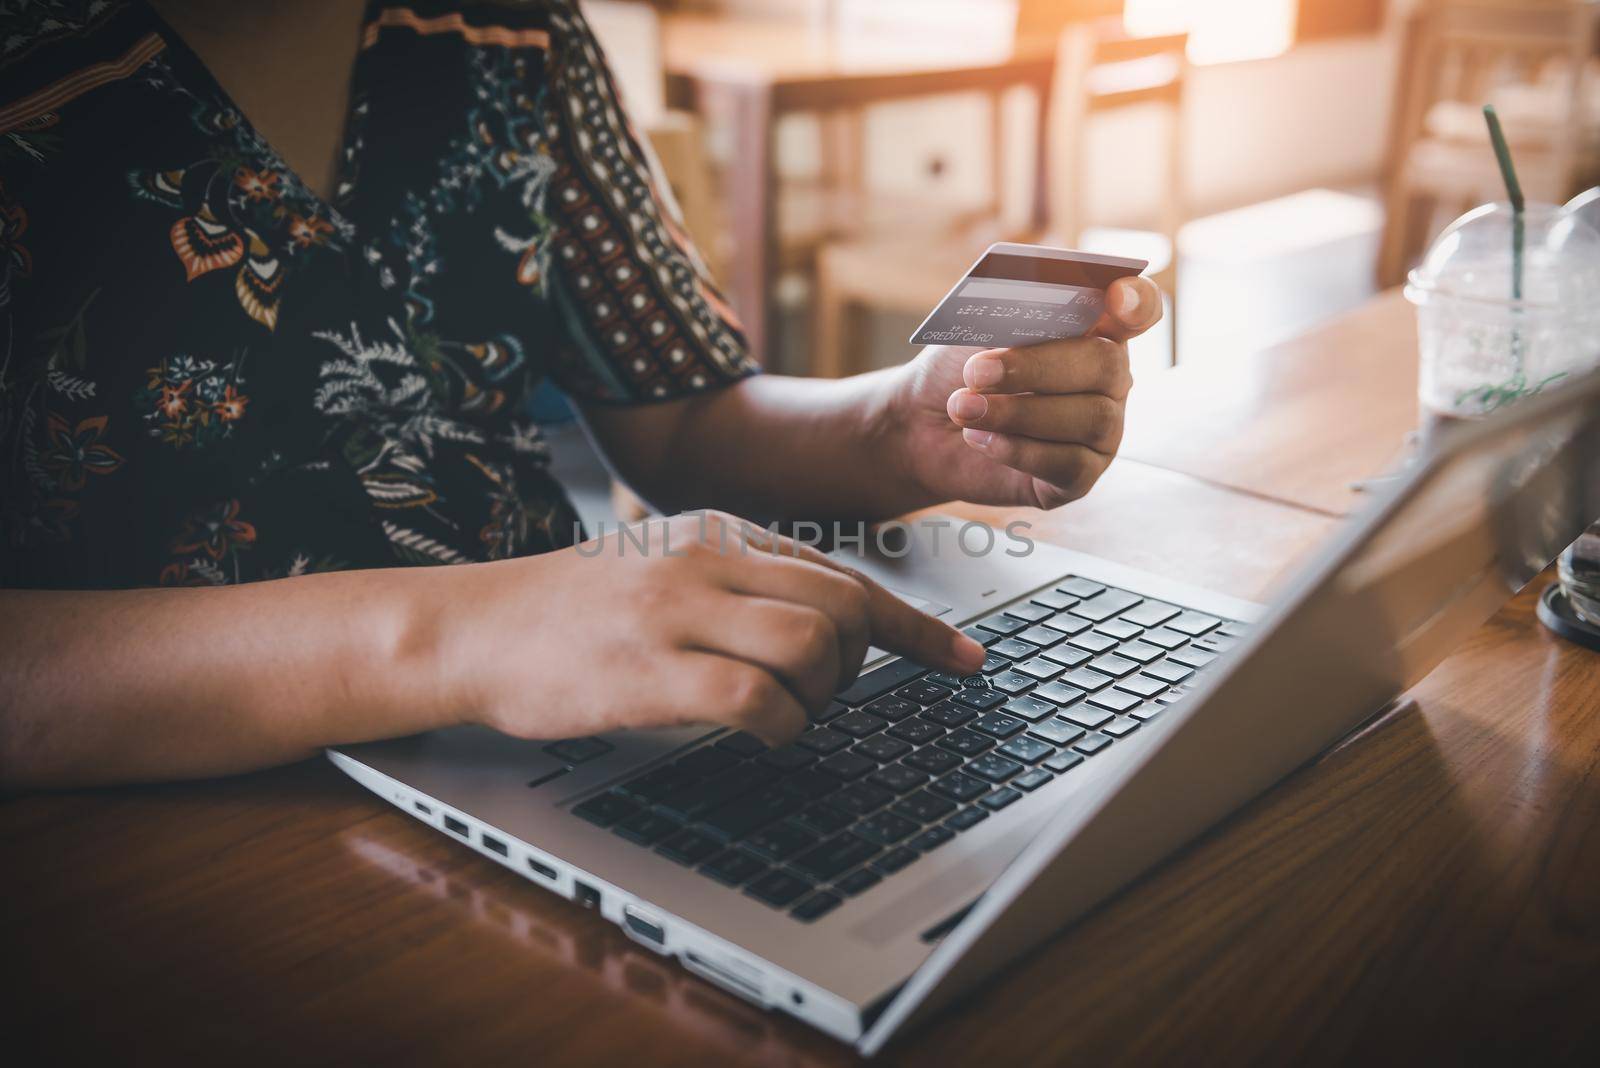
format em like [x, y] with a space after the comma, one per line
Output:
[713, 621]
[1032, 426]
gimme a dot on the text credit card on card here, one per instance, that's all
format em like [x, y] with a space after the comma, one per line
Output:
[1019, 295]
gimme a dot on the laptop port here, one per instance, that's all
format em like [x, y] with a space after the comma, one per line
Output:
[420, 807]
[539, 867]
[648, 930]
[493, 845]
[456, 826]
[585, 895]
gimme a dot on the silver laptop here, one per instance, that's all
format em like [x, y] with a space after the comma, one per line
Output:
[933, 828]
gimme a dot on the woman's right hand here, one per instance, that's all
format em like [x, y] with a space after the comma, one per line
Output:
[715, 621]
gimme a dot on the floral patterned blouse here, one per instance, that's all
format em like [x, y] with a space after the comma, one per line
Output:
[210, 375]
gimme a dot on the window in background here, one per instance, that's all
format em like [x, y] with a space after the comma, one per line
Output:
[1220, 31]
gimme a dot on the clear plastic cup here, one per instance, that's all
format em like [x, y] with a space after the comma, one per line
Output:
[1484, 340]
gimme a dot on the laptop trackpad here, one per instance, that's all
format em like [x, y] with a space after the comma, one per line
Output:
[924, 902]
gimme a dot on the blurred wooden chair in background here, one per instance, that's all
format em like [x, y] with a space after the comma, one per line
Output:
[1099, 68]
[1536, 63]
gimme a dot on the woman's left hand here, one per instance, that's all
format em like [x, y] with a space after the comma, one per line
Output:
[1034, 426]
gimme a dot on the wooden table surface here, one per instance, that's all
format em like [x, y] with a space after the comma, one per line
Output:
[1429, 892]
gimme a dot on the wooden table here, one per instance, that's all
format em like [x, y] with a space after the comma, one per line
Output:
[1429, 892]
[745, 74]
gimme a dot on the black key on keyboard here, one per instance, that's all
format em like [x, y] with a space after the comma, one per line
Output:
[857, 881]
[895, 709]
[894, 860]
[1115, 700]
[879, 681]
[922, 692]
[824, 740]
[1110, 664]
[733, 867]
[705, 761]
[1033, 779]
[834, 710]
[646, 828]
[1118, 629]
[1001, 798]
[738, 818]
[1142, 684]
[886, 828]
[949, 714]
[1012, 683]
[861, 798]
[1044, 637]
[1105, 605]
[834, 857]
[809, 784]
[606, 809]
[1093, 641]
[779, 841]
[993, 767]
[1169, 672]
[825, 819]
[1068, 656]
[1084, 679]
[1026, 749]
[1120, 727]
[743, 744]
[933, 760]
[882, 748]
[717, 790]
[1143, 652]
[1080, 587]
[998, 725]
[967, 743]
[816, 906]
[1167, 639]
[689, 847]
[968, 818]
[1194, 624]
[1012, 649]
[1150, 614]
[982, 700]
[1030, 708]
[1031, 612]
[788, 758]
[1087, 716]
[1039, 668]
[981, 636]
[1058, 693]
[924, 807]
[1054, 600]
[931, 839]
[1057, 731]
[1064, 761]
[1001, 623]
[858, 724]
[994, 662]
[944, 678]
[898, 777]
[915, 731]
[959, 786]
[848, 766]
[777, 888]
[1091, 744]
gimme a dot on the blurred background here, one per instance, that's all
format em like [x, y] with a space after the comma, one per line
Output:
[840, 162]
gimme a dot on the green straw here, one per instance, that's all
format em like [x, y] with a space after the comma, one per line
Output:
[1508, 172]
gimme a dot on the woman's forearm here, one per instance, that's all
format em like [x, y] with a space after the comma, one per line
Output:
[120, 686]
[771, 447]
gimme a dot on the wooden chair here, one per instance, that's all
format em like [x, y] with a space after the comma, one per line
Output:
[1536, 63]
[1099, 69]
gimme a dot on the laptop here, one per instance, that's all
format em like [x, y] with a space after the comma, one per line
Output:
[929, 829]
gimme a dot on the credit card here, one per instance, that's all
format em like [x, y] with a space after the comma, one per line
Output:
[1018, 295]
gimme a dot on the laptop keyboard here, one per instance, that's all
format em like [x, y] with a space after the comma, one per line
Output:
[905, 758]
